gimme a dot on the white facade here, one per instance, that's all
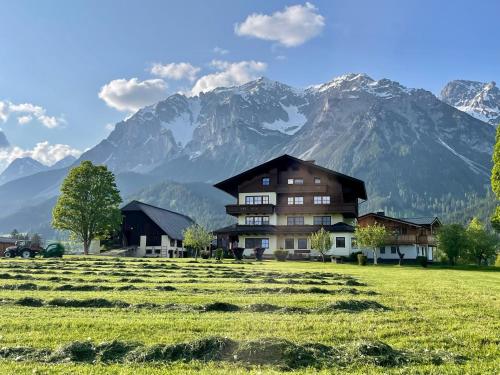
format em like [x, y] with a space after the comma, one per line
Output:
[167, 249]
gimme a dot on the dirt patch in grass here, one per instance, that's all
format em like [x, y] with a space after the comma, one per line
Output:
[83, 288]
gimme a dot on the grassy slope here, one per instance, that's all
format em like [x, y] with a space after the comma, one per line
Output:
[453, 310]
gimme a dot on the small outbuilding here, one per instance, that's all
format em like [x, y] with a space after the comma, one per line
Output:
[153, 231]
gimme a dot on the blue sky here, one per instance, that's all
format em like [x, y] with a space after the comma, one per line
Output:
[58, 55]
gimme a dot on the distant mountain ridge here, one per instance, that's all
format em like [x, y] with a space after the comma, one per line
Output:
[417, 154]
[479, 99]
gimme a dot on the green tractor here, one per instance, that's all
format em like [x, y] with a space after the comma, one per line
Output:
[26, 249]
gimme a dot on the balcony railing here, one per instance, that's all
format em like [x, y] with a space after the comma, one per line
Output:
[238, 209]
[411, 239]
[317, 208]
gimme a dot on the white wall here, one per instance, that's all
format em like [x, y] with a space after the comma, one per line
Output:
[341, 251]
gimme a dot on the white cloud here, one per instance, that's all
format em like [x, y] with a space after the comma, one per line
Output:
[176, 71]
[220, 51]
[44, 152]
[131, 95]
[228, 74]
[291, 27]
[26, 112]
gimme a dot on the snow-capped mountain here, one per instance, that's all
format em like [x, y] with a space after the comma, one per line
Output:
[417, 154]
[21, 167]
[478, 99]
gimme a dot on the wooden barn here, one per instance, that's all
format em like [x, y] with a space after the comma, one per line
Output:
[153, 231]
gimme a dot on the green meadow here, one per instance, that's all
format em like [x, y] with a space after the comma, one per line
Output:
[159, 316]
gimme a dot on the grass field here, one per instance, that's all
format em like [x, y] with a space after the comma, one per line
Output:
[255, 317]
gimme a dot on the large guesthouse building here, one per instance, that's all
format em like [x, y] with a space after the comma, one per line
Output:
[281, 202]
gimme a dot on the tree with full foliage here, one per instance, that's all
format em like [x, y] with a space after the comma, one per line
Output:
[481, 245]
[88, 206]
[321, 242]
[14, 234]
[495, 180]
[198, 238]
[452, 241]
[372, 237]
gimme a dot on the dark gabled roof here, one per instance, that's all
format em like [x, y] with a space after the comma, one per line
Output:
[172, 223]
[230, 185]
[416, 221]
[429, 220]
[7, 240]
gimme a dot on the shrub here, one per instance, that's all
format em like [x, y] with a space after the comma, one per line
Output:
[219, 254]
[259, 252]
[205, 254]
[362, 258]
[422, 260]
[353, 257]
[281, 255]
[238, 253]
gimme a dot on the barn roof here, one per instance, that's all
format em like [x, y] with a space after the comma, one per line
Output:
[172, 223]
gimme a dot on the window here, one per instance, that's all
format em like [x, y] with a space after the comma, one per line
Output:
[289, 243]
[256, 220]
[322, 199]
[322, 220]
[295, 181]
[290, 181]
[149, 251]
[252, 243]
[317, 180]
[172, 242]
[295, 220]
[295, 200]
[157, 251]
[179, 243]
[258, 199]
[266, 181]
[393, 250]
[302, 243]
[339, 241]
[382, 249]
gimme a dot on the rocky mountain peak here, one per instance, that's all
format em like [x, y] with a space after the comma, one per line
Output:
[479, 99]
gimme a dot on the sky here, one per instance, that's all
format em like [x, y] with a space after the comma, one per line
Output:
[70, 70]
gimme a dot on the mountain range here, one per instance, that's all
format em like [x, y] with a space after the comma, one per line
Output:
[418, 154]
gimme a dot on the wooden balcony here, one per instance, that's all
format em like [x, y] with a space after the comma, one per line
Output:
[240, 209]
[427, 240]
[344, 208]
[412, 239]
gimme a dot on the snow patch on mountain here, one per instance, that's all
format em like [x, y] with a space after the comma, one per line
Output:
[295, 121]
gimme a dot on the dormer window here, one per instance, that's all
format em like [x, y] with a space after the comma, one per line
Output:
[266, 181]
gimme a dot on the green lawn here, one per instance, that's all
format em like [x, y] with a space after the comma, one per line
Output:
[449, 314]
